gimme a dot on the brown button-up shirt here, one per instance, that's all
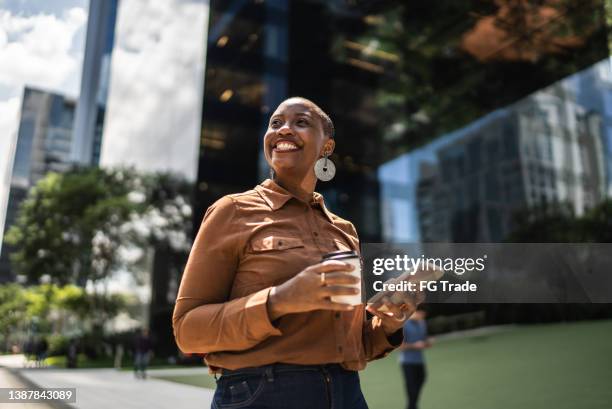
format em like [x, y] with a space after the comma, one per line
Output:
[248, 243]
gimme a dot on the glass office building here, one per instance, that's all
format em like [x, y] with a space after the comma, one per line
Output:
[450, 116]
[43, 145]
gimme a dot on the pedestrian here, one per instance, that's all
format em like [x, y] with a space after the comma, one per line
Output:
[72, 353]
[412, 358]
[142, 353]
[42, 348]
[255, 296]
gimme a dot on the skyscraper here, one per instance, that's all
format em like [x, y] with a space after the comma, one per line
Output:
[43, 145]
[91, 104]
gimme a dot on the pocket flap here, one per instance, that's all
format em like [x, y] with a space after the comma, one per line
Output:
[276, 243]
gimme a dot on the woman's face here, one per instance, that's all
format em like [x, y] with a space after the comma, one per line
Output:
[295, 139]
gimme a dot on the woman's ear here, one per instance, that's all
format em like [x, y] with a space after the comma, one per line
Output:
[329, 146]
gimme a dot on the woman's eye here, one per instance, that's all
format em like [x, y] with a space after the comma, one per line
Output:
[302, 122]
[275, 123]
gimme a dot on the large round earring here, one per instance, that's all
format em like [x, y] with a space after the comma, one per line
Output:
[324, 168]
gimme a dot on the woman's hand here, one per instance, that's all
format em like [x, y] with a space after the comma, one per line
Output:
[418, 345]
[393, 314]
[312, 288]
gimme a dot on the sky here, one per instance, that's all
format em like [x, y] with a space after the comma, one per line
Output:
[156, 79]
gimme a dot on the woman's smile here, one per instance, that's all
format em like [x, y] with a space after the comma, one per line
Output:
[283, 146]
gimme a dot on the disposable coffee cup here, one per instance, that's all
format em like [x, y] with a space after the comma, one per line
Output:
[349, 257]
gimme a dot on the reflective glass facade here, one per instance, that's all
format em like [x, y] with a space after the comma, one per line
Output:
[451, 116]
[43, 145]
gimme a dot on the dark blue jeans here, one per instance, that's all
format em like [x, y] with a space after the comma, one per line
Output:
[284, 386]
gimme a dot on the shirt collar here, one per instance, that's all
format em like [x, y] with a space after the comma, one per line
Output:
[276, 197]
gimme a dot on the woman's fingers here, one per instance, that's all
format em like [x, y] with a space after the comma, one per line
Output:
[341, 278]
[386, 308]
[333, 290]
[393, 310]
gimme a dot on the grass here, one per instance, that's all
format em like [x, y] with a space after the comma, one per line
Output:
[560, 366]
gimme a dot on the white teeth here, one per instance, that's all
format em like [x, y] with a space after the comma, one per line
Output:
[285, 146]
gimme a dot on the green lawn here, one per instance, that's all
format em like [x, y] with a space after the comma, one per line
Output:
[560, 366]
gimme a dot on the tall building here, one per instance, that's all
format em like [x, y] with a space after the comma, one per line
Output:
[43, 145]
[399, 80]
[91, 105]
[543, 150]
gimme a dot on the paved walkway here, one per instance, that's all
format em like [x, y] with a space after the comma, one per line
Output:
[104, 388]
[8, 380]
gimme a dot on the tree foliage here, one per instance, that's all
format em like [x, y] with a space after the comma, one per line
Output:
[456, 61]
[59, 225]
[77, 227]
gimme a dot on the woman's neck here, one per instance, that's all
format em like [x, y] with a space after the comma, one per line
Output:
[301, 190]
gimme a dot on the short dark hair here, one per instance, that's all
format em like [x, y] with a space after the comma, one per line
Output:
[328, 125]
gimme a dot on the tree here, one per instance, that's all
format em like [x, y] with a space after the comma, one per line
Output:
[447, 62]
[68, 226]
[12, 310]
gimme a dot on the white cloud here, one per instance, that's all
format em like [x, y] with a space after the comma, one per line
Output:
[154, 103]
[36, 50]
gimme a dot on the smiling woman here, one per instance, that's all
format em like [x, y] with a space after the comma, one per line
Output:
[256, 298]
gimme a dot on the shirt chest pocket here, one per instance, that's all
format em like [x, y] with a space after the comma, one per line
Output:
[275, 243]
[272, 259]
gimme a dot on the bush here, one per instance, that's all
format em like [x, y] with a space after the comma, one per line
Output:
[58, 344]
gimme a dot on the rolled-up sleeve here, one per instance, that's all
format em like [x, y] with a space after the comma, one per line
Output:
[204, 320]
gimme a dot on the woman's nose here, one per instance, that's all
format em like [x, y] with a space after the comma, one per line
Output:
[285, 130]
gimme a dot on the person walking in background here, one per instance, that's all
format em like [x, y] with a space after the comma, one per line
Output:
[142, 352]
[42, 347]
[72, 353]
[412, 358]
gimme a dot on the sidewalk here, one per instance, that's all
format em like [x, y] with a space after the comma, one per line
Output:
[104, 388]
[8, 380]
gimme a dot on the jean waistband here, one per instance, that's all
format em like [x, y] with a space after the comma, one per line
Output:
[280, 367]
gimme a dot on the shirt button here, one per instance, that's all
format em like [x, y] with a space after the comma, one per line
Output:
[339, 349]
[337, 315]
[316, 234]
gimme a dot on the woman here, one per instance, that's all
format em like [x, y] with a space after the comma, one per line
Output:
[255, 297]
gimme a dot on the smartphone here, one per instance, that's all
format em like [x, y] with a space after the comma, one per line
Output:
[429, 274]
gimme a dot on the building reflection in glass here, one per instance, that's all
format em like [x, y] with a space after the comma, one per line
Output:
[445, 115]
[545, 149]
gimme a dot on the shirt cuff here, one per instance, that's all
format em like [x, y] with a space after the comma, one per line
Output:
[381, 344]
[257, 318]
[396, 338]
